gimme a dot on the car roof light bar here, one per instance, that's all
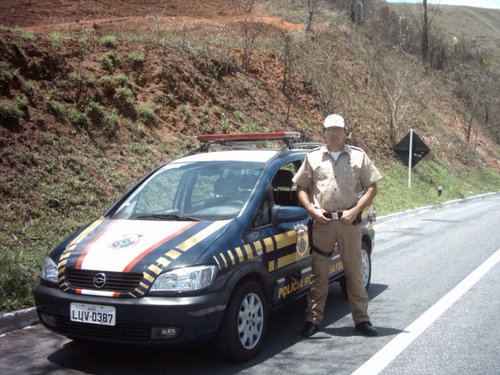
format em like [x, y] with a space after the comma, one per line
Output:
[240, 140]
[305, 145]
[248, 137]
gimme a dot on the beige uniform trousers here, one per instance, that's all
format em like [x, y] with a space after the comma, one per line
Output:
[348, 238]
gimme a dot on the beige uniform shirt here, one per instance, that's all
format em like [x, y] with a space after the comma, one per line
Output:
[334, 185]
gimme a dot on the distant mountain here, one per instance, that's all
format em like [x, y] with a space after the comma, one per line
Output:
[480, 24]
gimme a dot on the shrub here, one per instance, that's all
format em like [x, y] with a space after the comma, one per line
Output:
[108, 41]
[57, 108]
[12, 110]
[136, 59]
[94, 109]
[125, 81]
[125, 95]
[107, 80]
[75, 78]
[90, 80]
[56, 38]
[26, 35]
[108, 60]
[31, 90]
[8, 74]
[112, 121]
[186, 112]
[147, 115]
[78, 119]
[39, 119]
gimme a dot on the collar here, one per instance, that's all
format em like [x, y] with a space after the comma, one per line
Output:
[346, 149]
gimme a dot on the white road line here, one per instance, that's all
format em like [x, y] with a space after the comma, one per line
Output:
[389, 352]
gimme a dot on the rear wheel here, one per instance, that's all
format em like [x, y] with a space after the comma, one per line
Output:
[242, 332]
[366, 269]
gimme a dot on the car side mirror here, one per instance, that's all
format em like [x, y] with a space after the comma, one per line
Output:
[286, 214]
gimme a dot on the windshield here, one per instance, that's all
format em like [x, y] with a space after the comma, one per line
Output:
[193, 191]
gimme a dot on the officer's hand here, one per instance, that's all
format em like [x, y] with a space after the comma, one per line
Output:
[348, 216]
[318, 216]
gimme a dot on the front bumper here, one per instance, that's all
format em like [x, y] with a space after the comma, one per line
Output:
[198, 317]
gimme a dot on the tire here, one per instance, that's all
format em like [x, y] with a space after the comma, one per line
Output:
[366, 269]
[242, 332]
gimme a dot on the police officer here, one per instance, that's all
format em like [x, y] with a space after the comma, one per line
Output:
[328, 183]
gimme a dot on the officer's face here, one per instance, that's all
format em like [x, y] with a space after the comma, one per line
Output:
[334, 135]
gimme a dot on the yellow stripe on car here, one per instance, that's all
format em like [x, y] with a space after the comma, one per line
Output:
[174, 254]
[231, 256]
[287, 259]
[148, 277]
[200, 236]
[271, 266]
[258, 247]
[249, 251]
[217, 261]
[241, 257]
[164, 262]
[155, 269]
[286, 239]
[224, 259]
[82, 235]
[268, 242]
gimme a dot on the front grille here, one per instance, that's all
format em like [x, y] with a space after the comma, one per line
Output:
[115, 281]
[120, 332]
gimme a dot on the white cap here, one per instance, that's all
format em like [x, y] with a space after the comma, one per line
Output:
[334, 120]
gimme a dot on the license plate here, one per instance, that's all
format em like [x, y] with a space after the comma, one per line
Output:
[93, 314]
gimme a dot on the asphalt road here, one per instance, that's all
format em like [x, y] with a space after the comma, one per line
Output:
[418, 260]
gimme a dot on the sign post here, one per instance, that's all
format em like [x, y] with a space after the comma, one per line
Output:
[410, 153]
[411, 149]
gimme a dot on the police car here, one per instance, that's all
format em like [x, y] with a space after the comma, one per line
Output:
[204, 247]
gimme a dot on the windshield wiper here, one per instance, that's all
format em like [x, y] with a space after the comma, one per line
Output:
[166, 217]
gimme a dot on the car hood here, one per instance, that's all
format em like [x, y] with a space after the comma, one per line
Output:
[146, 247]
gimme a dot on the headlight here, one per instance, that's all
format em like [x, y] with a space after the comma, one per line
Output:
[184, 279]
[49, 270]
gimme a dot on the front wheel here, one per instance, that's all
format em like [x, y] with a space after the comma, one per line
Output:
[366, 269]
[242, 332]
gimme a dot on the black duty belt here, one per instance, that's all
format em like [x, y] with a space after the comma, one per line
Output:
[334, 215]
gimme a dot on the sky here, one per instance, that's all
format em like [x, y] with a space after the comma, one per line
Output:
[492, 4]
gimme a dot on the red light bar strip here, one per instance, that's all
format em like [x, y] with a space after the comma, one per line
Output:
[247, 137]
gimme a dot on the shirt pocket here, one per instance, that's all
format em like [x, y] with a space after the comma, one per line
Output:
[349, 175]
[322, 176]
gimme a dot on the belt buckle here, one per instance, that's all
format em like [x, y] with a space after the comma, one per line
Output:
[335, 215]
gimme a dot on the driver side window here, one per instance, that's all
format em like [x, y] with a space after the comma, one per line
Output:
[284, 190]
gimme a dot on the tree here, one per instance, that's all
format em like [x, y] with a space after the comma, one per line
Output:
[249, 30]
[396, 81]
[471, 94]
[311, 9]
[424, 19]
[288, 61]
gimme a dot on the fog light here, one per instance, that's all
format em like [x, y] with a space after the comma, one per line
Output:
[165, 333]
[48, 319]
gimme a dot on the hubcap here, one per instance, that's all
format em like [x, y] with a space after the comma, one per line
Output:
[250, 321]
